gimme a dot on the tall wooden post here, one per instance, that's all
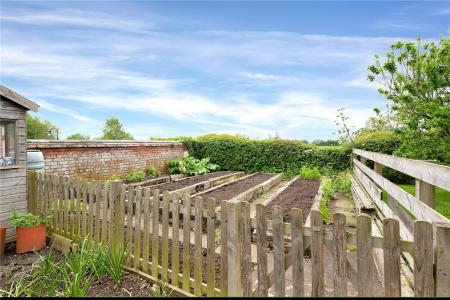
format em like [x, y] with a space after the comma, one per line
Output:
[32, 191]
[378, 168]
[442, 260]
[425, 192]
[234, 250]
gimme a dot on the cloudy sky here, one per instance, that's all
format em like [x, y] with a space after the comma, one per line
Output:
[188, 68]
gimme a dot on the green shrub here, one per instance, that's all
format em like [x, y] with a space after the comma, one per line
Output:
[152, 171]
[191, 166]
[135, 176]
[21, 219]
[381, 141]
[309, 173]
[242, 154]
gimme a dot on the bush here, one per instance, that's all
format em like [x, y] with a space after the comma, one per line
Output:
[191, 166]
[136, 176]
[21, 219]
[152, 171]
[381, 141]
[285, 156]
[309, 173]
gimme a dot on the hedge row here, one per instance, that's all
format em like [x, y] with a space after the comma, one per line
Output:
[269, 155]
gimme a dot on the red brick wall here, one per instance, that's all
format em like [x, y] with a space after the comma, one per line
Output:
[102, 159]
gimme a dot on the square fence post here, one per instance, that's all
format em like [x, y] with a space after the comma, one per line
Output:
[234, 250]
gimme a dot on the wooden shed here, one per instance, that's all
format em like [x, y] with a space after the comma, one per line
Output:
[13, 155]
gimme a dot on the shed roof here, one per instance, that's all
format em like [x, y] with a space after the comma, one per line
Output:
[21, 100]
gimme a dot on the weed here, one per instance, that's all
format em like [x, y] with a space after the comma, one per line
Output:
[309, 173]
[159, 290]
[152, 171]
[136, 176]
[115, 258]
[191, 166]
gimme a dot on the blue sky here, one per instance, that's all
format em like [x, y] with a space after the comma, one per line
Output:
[189, 68]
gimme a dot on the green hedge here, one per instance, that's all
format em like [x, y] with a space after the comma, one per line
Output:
[287, 156]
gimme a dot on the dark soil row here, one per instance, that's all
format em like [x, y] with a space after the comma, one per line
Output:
[179, 184]
[300, 194]
[233, 189]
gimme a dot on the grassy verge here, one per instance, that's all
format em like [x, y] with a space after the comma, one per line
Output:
[442, 198]
[331, 184]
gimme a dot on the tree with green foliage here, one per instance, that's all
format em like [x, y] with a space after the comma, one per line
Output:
[415, 76]
[114, 130]
[78, 136]
[40, 129]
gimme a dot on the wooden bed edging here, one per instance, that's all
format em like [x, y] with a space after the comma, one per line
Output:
[257, 190]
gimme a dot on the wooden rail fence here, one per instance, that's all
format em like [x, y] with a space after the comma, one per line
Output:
[187, 244]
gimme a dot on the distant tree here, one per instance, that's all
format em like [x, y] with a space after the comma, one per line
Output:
[40, 129]
[415, 76]
[325, 142]
[113, 130]
[78, 136]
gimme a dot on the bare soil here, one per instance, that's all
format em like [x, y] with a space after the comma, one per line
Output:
[179, 184]
[300, 194]
[233, 189]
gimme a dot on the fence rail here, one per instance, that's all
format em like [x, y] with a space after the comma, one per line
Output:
[188, 244]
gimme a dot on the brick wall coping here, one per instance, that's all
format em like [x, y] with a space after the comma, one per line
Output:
[40, 144]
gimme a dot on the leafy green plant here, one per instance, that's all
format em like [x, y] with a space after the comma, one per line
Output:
[159, 290]
[113, 177]
[309, 173]
[21, 219]
[98, 255]
[136, 176]
[115, 259]
[78, 276]
[191, 166]
[152, 171]
[328, 192]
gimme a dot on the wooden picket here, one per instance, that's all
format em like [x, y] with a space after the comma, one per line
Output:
[110, 212]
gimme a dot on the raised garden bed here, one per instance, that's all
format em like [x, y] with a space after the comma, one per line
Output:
[299, 193]
[243, 189]
[196, 183]
[160, 179]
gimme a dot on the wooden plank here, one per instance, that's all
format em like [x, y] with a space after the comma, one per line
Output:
[246, 251]
[298, 273]
[391, 254]
[378, 168]
[425, 192]
[92, 187]
[175, 241]
[186, 241]
[339, 255]
[437, 175]
[97, 226]
[317, 259]
[278, 252]
[32, 178]
[137, 229]
[73, 213]
[402, 216]
[105, 213]
[423, 259]
[370, 187]
[442, 260]
[155, 232]
[66, 207]
[61, 205]
[130, 213]
[167, 198]
[224, 248]
[420, 210]
[147, 221]
[56, 205]
[364, 255]
[234, 250]
[198, 246]
[211, 245]
[261, 250]
[121, 215]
